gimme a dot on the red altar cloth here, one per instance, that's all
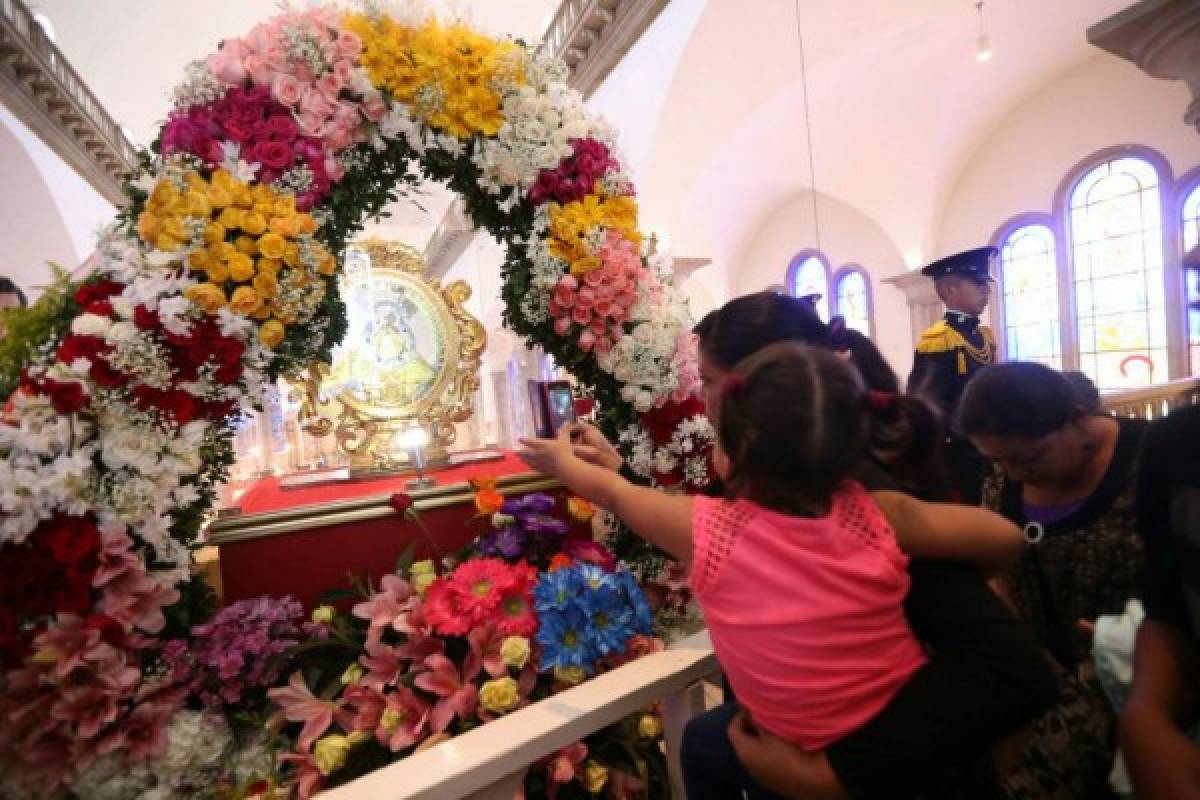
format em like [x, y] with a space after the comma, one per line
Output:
[267, 495]
[304, 542]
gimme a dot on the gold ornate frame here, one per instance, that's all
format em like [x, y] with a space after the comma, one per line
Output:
[366, 429]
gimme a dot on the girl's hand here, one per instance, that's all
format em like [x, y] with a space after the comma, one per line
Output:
[550, 456]
[781, 766]
[592, 447]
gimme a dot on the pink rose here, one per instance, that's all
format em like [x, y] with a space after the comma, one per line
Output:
[568, 281]
[594, 278]
[586, 297]
[277, 58]
[338, 137]
[311, 124]
[603, 344]
[330, 85]
[586, 340]
[627, 298]
[554, 309]
[348, 44]
[604, 292]
[227, 67]
[564, 297]
[603, 307]
[346, 115]
[259, 70]
[313, 102]
[345, 71]
[599, 326]
[374, 106]
[286, 90]
[616, 331]
[261, 36]
[562, 326]
[581, 315]
[334, 169]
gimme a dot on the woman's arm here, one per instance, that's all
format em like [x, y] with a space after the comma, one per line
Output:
[951, 531]
[661, 519]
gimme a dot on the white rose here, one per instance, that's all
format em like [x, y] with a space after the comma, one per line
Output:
[91, 325]
[527, 106]
[576, 129]
[130, 447]
[121, 332]
[547, 156]
[550, 118]
[123, 307]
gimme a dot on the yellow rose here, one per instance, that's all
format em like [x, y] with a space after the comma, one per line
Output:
[246, 244]
[262, 313]
[650, 726]
[197, 204]
[285, 205]
[569, 675]
[217, 271]
[231, 218]
[353, 674]
[163, 194]
[241, 267]
[214, 232]
[582, 266]
[167, 242]
[222, 250]
[330, 753]
[208, 296]
[269, 265]
[148, 226]
[223, 178]
[219, 196]
[266, 285]
[199, 260]
[271, 333]
[288, 226]
[421, 574]
[595, 775]
[253, 223]
[322, 615]
[291, 254]
[500, 695]
[271, 245]
[306, 222]
[327, 265]
[515, 651]
[173, 227]
[242, 196]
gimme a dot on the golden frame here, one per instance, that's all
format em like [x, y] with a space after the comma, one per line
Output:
[366, 427]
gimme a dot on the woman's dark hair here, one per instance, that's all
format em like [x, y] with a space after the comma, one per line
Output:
[747, 324]
[1086, 393]
[8, 287]
[1019, 398]
[795, 421]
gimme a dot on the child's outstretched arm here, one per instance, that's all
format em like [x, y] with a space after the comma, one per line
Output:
[663, 520]
[948, 530]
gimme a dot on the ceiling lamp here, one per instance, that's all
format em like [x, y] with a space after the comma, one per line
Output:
[983, 45]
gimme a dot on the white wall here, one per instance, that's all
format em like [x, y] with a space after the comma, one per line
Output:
[1101, 103]
[47, 212]
[847, 236]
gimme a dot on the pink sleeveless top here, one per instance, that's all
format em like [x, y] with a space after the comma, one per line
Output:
[805, 614]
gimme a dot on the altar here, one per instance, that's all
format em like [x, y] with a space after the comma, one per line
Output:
[307, 540]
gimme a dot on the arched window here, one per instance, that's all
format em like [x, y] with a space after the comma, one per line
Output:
[1190, 221]
[1115, 218]
[1029, 280]
[852, 298]
[809, 274]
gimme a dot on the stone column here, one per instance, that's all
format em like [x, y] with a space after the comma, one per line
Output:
[924, 307]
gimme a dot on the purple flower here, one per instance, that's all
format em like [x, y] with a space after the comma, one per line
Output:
[506, 543]
[536, 503]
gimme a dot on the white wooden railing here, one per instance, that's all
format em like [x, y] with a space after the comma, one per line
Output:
[1155, 401]
[489, 762]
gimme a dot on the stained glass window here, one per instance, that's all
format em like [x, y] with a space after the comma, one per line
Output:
[810, 275]
[1029, 277]
[853, 301]
[1191, 238]
[1116, 239]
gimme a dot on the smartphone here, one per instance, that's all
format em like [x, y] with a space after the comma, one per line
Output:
[553, 405]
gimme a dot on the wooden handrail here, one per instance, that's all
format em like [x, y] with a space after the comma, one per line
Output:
[490, 761]
[1152, 402]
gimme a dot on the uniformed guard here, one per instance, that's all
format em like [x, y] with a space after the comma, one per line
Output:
[953, 349]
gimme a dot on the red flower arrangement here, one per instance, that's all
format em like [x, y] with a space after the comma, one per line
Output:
[481, 591]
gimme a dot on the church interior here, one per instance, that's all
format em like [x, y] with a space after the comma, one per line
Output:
[252, 542]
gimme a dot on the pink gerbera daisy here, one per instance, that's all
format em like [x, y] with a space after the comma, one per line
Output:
[480, 583]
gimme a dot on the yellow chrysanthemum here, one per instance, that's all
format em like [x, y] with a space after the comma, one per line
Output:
[572, 226]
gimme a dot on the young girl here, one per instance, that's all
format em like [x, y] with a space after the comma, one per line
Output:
[800, 572]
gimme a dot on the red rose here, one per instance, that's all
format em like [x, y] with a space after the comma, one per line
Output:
[97, 290]
[145, 319]
[180, 405]
[210, 150]
[584, 406]
[71, 540]
[283, 128]
[75, 346]
[401, 502]
[101, 308]
[105, 376]
[275, 155]
[238, 131]
[67, 398]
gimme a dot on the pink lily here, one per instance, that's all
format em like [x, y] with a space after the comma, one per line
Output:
[301, 705]
[485, 642]
[457, 693]
[564, 767]
[308, 777]
[384, 666]
[403, 720]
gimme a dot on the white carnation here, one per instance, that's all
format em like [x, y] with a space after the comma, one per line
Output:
[91, 325]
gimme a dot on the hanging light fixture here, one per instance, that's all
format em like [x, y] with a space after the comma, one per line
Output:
[983, 45]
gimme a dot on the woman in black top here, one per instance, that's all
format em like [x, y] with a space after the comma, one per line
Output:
[1067, 476]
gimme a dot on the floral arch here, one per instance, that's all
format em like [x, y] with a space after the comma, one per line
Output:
[221, 274]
